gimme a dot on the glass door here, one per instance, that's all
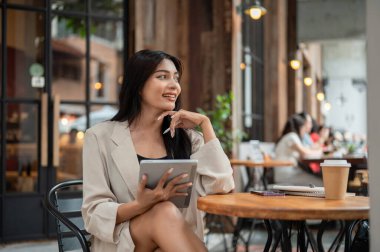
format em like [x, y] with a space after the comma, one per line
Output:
[23, 180]
[61, 70]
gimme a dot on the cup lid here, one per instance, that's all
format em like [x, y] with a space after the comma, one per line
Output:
[335, 162]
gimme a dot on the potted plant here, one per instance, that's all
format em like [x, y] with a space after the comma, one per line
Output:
[220, 118]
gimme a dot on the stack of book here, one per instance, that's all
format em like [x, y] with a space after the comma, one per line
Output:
[309, 191]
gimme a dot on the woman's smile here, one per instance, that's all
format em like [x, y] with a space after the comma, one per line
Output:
[172, 97]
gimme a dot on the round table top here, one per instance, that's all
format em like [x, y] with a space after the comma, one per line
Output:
[248, 205]
[265, 163]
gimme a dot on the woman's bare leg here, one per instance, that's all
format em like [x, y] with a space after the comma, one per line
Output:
[164, 227]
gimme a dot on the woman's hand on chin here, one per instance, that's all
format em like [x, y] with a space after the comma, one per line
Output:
[188, 120]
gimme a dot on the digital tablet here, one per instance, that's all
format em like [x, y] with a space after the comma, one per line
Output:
[154, 169]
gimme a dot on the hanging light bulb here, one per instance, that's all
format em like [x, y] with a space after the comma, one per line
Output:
[308, 81]
[256, 11]
[242, 66]
[294, 61]
[98, 85]
[295, 64]
[320, 96]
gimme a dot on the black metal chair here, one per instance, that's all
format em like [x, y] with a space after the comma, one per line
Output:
[64, 202]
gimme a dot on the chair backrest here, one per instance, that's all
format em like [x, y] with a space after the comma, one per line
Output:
[248, 151]
[64, 202]
[268, 148]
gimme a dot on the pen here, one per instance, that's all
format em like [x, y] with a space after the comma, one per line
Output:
[166, 131]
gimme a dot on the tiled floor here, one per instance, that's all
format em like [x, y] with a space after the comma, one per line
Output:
[215, 243]
[258, 239]
[31, 246]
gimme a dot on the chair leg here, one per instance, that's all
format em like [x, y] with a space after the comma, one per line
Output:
[236, 234]
[270, 235]
[277, 234]
[224, 235]
[249, 235]
[215, 221]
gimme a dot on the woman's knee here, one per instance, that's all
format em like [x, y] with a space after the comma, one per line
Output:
[166, 210]
[163, 214]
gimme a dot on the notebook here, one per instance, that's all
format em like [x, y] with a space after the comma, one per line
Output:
[307, 191]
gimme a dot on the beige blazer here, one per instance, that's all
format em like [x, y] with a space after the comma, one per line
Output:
[110, 178]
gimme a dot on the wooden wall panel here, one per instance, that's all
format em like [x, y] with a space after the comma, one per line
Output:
[291, 51]
[275, 69]
[198, 32]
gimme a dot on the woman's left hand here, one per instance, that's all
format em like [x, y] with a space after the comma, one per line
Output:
[184, 119]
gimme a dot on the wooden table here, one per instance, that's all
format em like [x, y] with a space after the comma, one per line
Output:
[248, 205]
[265, 164]
[292, 208]
[352, 159]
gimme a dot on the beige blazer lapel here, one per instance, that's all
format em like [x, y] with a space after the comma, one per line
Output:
[125, 156]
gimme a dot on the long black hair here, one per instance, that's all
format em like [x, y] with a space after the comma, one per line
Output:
[137, 71]
[293, 124]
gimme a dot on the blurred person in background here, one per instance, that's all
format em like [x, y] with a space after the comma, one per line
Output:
[320, 135]
[306, 138]
[290, 147]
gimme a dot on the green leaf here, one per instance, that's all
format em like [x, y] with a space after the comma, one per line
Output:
[220, 118]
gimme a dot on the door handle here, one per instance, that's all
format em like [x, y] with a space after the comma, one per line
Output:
[56, 106]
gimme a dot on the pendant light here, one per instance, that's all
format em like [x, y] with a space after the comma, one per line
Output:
[256, 10]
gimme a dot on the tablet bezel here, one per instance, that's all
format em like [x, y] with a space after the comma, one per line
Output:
[155, 169]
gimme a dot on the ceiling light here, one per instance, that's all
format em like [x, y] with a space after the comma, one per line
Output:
[320, 96]
[308, 81]
[98, 85]
[295, 64]
[256, 10]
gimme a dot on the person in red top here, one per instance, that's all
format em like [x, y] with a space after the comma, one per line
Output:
[319, 134]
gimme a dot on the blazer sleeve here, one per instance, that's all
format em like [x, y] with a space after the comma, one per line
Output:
[100, 205]
[214, 171]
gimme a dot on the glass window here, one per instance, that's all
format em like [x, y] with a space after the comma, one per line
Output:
[253, 80]
[36, 3]
[106, 61]
[69, 58]
[101, 113]
[21, 147]
[107, 7]
[72, 124]
[68, 5]
[25, 51]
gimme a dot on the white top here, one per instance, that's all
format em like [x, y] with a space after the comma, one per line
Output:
[292, 175]
[286, 148]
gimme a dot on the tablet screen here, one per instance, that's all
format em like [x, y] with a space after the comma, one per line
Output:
[154, 169]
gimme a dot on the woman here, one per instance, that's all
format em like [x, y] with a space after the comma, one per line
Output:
[120, 213]
[289, 147]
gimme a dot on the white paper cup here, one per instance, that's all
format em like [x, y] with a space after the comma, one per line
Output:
[335, 178]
